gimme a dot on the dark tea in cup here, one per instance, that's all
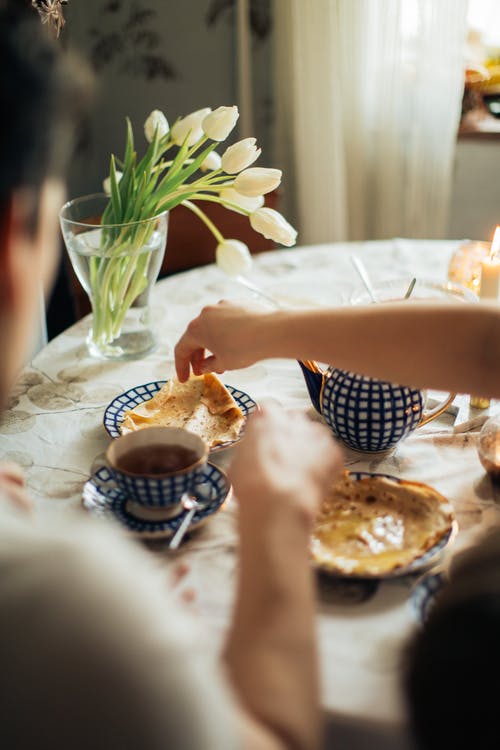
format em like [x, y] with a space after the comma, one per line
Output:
[157, 459]
[155, 466]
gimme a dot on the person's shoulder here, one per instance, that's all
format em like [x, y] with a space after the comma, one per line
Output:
[70, 557]
[87, 614]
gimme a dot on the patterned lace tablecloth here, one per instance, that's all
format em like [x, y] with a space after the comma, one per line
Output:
[53, 428]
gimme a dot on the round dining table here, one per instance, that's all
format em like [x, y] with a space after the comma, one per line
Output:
[53, 428]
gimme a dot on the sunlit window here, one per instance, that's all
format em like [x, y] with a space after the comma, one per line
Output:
[484, 18]
[482, 61]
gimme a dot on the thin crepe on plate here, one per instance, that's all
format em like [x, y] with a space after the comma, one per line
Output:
[138, 397]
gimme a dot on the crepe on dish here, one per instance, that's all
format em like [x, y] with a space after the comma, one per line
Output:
[202, 405]
[373, 526]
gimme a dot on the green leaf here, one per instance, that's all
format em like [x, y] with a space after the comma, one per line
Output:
[172, 178]
[195, 165]
[107, 214]
[138, 209]
[116, 200]
[171, 182]
[179, 160]
[129, 146]
[153, 154]
[127, 187]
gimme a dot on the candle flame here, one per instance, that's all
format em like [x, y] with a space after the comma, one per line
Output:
[495, 245]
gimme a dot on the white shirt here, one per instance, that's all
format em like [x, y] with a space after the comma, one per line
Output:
[94, 652]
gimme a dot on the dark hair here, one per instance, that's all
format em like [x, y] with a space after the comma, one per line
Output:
[452, 663]
[43, 95]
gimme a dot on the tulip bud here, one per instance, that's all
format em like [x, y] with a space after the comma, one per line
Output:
[273, 226]
[211, 162]
[156, 120]
[233, 257]
[106, 184]
[219, 123]
[240, 155]
[190, 124]
[257, 181]
[244, 202]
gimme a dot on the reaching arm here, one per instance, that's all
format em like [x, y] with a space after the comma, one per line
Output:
[271, 651]
[423, 344]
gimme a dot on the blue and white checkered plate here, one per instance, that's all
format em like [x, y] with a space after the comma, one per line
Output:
[103, 499]
[115, 411]
[430, 557]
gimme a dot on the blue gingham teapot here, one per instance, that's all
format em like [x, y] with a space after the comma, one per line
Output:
[367, 414]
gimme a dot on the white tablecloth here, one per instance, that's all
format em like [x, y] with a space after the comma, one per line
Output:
[53, 428]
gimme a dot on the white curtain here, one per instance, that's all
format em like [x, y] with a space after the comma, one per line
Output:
[368, 106]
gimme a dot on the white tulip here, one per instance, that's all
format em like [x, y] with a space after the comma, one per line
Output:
[257, 181]
[273, 226]
[106, 184]
[243, 201]
[211, 162]
[240, 155]
[233, 257]
[190, 124]
[156, 120]
[219, 123]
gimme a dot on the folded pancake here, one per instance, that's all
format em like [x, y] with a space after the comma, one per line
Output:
[373, 526]
[202, 405]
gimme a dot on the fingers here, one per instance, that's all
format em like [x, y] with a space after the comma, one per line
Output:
[12, 472]
[12, 485]
[205, 332]
[208, 364]
[17, 495]
[183, 353]
[199, 363]
[197, 358]
[188, 353]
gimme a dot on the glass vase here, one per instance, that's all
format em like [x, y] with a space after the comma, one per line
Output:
[117, 265]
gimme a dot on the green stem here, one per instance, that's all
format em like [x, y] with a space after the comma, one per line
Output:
[221, 201]
[209, 179]
[113, 278]
[138, 281]
[202, 215]
[194, 148]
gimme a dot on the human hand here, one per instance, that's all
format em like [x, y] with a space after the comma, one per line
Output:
[284, 461]
[12, 485]
[228, 332]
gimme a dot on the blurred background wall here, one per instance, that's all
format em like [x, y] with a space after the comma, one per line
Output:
[168, 55]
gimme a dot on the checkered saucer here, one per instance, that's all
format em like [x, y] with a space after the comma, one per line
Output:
[103, 499]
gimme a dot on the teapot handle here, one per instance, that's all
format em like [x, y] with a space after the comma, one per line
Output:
[315, 381]
[429, 414]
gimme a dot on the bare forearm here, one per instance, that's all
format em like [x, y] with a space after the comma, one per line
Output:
[271, 647]
[454, 348]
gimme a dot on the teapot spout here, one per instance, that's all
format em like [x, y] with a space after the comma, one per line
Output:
[313, 375]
